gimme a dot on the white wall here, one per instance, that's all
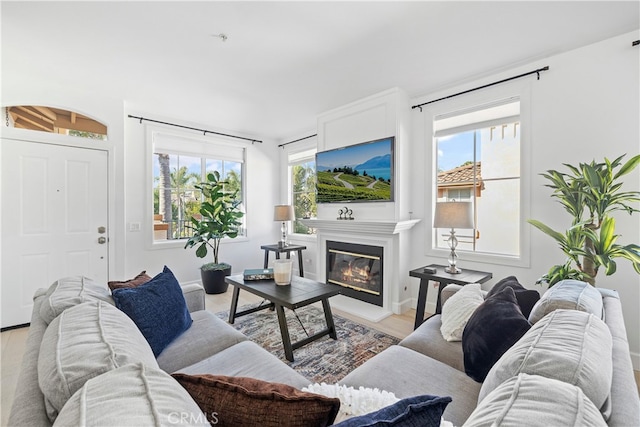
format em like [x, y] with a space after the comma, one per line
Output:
[585, 107]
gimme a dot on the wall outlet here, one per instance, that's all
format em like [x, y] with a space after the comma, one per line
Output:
[134, 226]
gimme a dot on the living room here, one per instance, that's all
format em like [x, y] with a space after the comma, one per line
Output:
[584, 107]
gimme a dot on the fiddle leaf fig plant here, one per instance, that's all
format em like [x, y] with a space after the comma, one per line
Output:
[591, 193]
[220, 218]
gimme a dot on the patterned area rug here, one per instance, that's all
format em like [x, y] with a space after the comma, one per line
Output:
[325, 360]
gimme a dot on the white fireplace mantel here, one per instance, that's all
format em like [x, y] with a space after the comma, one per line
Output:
[360, 227]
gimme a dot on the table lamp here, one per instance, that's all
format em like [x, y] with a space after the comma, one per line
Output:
[283, 213]
[453, 215]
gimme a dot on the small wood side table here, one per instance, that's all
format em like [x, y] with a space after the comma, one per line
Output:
[286, 249]
[466, 277]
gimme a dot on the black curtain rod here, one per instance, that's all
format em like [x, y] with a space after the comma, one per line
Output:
[204, 131]
[301, 139]
[484, 86]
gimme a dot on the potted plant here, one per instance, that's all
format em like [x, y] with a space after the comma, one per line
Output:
[590, 193]
[219, 218]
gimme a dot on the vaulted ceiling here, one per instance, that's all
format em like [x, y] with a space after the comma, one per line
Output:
[283, 63]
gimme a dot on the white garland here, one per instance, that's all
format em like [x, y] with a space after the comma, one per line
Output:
[354, 402]
[361, 401]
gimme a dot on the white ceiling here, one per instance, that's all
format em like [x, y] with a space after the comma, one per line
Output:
[284, 62]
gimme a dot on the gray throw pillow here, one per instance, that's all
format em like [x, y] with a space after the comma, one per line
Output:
[70, 291]
[535, 400]
[83, 342]
[133, 395]
[568, 295]
[568, 345]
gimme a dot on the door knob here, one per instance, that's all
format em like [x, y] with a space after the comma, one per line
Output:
[102, 230]
[102, 240]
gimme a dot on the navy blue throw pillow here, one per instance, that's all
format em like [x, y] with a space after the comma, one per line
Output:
[417, 411]
[526, 298]
[492, 329]
[158, 309]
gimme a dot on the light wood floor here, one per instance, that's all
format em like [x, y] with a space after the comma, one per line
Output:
[13, 342]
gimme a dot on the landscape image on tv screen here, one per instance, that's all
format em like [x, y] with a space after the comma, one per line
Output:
[356, 173]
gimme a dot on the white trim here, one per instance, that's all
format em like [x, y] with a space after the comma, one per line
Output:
[521, 89]
[211, 147]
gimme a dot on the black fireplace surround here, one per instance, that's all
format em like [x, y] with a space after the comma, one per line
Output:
[358, 269]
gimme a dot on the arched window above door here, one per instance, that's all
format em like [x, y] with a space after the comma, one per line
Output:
[54, 120]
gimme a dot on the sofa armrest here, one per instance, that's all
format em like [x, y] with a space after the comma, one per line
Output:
[193, 296]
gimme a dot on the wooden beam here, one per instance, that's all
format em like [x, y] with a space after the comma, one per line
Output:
[28, 116]
[34, 112]
[46, 111]
[83, 125]
[73, 117]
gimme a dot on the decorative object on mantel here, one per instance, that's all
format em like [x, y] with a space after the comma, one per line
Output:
[453, 215]
[345, 213]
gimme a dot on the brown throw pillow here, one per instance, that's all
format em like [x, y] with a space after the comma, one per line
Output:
[241, 401]
[141, 278]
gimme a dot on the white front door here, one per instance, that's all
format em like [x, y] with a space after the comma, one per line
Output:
[54, 220]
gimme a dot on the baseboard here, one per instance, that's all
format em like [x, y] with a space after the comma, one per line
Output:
[401, 307]
[9, 328]
[358, 308]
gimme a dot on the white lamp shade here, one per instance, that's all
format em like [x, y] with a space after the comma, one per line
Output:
[453, 215]
[283, 213]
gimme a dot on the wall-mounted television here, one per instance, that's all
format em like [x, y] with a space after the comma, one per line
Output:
[356, 173]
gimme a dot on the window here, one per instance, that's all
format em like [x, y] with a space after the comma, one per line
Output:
[478, 160]
[302, 167]
[178, 165]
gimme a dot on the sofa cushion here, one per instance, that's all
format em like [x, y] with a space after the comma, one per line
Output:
[70, 291]
[140, 279]
[407, 373]
[158, 309]
[524, 398]
[133, 395]
[458, 309]
[568, 295]
[83, 342]
[428, 340]
[242, 401]
[207, 336]
[567, 345]
[526, 298]
[240, 361]
[492, 329]
[416, 411]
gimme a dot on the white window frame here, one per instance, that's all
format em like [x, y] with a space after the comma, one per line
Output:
[298, 152]
[186, 143]
[522, 90]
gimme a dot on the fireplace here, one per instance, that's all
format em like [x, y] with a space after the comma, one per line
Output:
[357, 268]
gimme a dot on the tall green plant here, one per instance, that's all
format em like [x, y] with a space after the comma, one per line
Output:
[221, 217]
[590, 193]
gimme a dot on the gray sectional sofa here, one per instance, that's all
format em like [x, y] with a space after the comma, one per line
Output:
[599, 359]
[423, 363]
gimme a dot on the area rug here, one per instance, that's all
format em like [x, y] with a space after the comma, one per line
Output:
[325, 360]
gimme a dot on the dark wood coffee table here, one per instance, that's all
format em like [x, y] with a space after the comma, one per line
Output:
[299, 293]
